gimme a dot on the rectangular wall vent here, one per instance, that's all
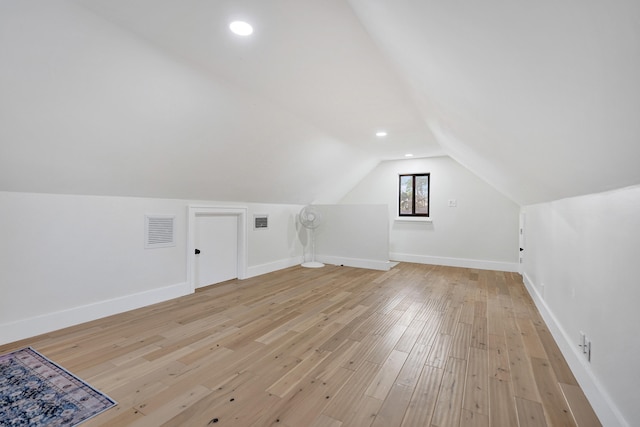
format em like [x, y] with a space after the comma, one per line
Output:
[260, 222]
[159, 231]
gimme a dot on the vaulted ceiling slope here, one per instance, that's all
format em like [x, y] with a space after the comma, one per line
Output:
[541, 99]
[157, 98]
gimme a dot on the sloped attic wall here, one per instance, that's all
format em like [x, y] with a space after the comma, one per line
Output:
[541, 99]
[68, 259]
[580, 265]
[89, 108]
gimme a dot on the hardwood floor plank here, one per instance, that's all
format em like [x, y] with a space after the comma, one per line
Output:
[461, 341]
[347, 398]
[476, 392]
[449, 404]
[115, 418]
[423, 401]
[410, 336]
[479, 338]
[440, 351]
[467, 312]
[412, 368]
[555, 405]
[498, 358]
[555, 357]
[530, 414]
[385, 345]
[326, 421]
[524, 384]
[292, 378]
[382, 383]
[530, 338]
[395, 404]
[172, 407]
[305, 404]
[419, 345]
[473, 419]
[581, 410]
[502, 403]
[364, 412]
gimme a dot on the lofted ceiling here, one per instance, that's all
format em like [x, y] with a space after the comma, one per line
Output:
[157, 98]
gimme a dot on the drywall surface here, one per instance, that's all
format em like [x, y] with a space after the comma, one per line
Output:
[277, 246]
[354, 235]
[66, 259]
[481, 231]
[87, 107]
[581, 259]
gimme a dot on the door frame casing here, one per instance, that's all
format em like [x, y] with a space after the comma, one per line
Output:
[195, 211]
[522, 241]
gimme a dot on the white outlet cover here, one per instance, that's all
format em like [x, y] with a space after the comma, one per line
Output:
[453, 203]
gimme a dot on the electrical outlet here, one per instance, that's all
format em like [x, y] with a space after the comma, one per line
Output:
[453, 203]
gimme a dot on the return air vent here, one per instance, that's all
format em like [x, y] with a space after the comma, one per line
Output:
[159, 231]
[260, 222]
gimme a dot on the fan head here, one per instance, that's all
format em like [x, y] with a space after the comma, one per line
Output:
[310, 217]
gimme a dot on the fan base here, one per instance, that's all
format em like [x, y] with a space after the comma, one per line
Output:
[312, 264]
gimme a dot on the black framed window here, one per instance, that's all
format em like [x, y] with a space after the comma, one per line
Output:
[414, 195]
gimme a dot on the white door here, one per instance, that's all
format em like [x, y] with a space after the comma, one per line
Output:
[216, 242]
[522, 242]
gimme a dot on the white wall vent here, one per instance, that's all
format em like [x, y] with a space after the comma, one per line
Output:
[159, 231]
[260, 222]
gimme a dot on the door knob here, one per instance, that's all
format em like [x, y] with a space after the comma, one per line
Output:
[197, 251]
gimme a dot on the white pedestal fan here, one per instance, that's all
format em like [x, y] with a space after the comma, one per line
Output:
[311, 218]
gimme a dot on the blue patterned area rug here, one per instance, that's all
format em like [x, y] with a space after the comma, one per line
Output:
[34, 391]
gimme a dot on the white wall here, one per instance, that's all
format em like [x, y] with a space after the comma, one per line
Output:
[481, 232]
[278, 246]
[580, 265]
[66, 259]
[353, 235]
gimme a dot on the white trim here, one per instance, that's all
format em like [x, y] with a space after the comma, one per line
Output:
[200, 210]
[26, 328]
[371, 264]
[602, 404]
[258, 270]
[413, 219]
[456, 262]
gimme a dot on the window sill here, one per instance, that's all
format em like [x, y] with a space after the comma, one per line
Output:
[413, 219]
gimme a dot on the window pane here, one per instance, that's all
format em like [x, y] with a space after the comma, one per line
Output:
[406, 195]
[422, 195]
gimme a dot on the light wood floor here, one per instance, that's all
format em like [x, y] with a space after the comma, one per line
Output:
[416, 346]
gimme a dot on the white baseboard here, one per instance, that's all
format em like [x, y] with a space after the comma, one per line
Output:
[356, 262]
[601, 402]
[456, 262]
[257, 270]
[26, 328]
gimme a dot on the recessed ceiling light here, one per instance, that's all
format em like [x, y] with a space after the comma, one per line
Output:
[241, 28]
[408, 155]
[381, 133]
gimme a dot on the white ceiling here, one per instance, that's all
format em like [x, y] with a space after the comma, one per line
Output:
[157, 98]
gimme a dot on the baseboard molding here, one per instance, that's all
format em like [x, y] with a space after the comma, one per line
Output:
[456, 262]
[601, 402]
[26, 328]
[258, 270]
[356, 262]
